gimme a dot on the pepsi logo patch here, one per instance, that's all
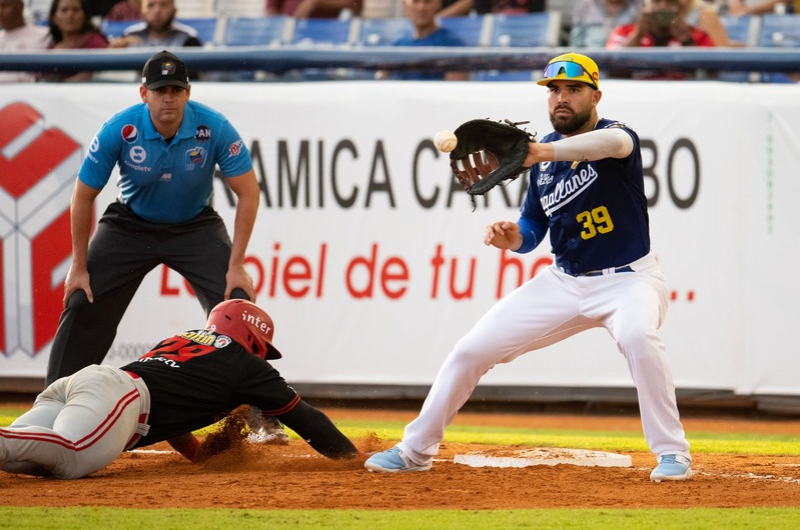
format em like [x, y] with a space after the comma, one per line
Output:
[129, 133]
[203, 133]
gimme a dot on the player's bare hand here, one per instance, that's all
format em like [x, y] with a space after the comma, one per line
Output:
[503, 235]
[237, 277]
[77, 279]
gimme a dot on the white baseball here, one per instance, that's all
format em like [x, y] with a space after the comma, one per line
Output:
[445, 141]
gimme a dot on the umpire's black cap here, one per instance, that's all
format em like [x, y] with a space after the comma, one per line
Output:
[165, 69]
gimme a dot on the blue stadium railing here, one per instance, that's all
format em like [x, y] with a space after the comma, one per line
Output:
[283, 59]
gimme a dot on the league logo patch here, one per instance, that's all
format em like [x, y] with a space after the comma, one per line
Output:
[203, 133]
[235, 148]
[195, 157]
[167, 68]
[222, 341]
[129, 133]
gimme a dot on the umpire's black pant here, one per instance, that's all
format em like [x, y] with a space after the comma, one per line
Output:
[123, 249]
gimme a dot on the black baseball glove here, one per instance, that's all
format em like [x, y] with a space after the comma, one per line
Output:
[489, 152]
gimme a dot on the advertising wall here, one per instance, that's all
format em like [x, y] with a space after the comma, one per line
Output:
[370, 258]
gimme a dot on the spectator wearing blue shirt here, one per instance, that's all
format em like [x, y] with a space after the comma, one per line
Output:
[427, 32]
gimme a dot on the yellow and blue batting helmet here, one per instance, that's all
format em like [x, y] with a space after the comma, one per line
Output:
[571, 66]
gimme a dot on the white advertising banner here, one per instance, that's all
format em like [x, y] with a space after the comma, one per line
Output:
[370, 258]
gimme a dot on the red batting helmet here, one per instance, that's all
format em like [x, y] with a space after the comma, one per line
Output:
[247, 324]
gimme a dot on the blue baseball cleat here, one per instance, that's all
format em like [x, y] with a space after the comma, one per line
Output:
[393, 461]
[672, 467]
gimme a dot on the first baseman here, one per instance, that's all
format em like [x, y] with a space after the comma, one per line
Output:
[587, 189]
[81, 423]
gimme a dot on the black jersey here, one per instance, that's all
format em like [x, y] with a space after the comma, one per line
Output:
[196, 377]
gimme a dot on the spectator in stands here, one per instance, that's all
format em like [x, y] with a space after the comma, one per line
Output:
[17, 36]
[662, 23]
[594, 20]
[158, 28]
[457, 8]
[71, 27]
[125, 10]
[315, 8]
[422, 14]
[706, 17]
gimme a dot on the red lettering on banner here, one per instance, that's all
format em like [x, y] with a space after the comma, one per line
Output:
[166, 290]
[437, 261]
[386, 275]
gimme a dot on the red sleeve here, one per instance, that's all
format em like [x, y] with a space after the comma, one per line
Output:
[619, 36]
[701, 38]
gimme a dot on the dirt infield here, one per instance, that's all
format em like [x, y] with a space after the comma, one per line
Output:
[293, 476]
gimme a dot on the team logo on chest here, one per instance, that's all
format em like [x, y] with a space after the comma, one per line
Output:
[554, 196]
[196, 157]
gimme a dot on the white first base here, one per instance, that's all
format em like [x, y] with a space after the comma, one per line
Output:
[542, 456]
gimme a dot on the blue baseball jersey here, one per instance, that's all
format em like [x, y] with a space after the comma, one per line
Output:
[165, 182]
[596, 211]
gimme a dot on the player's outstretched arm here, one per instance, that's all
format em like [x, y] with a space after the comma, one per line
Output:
[319, 432]
[187, 445]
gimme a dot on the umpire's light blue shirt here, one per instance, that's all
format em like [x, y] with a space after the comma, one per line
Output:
[165, 182]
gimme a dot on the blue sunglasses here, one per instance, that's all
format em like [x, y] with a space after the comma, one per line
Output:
[570, 69]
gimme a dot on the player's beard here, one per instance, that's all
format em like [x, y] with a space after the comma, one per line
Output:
[572, 123]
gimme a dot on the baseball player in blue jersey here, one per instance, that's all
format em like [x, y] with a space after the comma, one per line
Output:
[167, 149]
[587, 189]
[82, 423]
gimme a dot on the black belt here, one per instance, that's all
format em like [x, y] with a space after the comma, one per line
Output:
[624, 268]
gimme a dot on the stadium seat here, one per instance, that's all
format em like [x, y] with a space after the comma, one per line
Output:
[531, 30]
[256, 31]
[779, 31]
[741, 29]
[206, 29]
[115, 28]
[323, 31]
[383, 31]
[472, 30]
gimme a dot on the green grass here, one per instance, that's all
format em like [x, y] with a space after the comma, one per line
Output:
[737, 443]
[93, 518]
[600, 519]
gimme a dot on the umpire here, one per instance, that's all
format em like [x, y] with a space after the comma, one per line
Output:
[167, 148]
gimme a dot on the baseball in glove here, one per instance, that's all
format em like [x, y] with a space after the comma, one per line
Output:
[489, 152]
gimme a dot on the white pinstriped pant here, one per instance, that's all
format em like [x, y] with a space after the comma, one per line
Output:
[77, 425]
[547, 309]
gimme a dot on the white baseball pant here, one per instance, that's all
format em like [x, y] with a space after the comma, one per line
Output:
[545, 310]
[77, 425]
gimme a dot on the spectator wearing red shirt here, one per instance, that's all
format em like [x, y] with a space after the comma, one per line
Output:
[314, 8]
[661, 24]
